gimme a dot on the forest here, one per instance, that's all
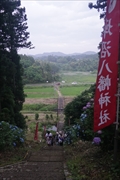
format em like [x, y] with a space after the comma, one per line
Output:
[38, 71]
[47, 69]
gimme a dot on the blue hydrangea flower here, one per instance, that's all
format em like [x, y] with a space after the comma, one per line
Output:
[78, 126]
[21, 140]
[82, 115]
[15, 127]
[10, 126]
[14, 144]
[21, 130]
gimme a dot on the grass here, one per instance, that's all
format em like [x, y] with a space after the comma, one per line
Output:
[40, 92]
[13, 156]
[79, 77]
[39, 107]
[86, 161]
[19, 154]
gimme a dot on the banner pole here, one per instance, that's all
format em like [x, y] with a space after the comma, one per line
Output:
[118, 106]
[116, 128]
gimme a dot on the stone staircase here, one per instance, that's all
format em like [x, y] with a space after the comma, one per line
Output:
[44, 164]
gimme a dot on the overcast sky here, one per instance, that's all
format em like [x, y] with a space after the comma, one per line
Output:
[62, 26]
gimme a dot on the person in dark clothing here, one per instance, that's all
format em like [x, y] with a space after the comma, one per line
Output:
[60, 139]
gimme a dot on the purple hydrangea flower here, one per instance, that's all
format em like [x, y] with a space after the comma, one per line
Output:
[97, 140]
[88, 105]
[84, 107]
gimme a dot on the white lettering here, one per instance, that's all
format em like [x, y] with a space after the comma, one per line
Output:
[104, 100]
[104, 117]
[105, 49]
[104, 83]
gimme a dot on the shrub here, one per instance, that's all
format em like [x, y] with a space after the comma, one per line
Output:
[10, 136]
[47, 117]
[51, 117]
[36, 116]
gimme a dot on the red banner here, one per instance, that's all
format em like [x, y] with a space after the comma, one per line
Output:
[106, 83]
[36, 132]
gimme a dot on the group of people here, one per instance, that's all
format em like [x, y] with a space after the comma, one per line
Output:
[57, 139]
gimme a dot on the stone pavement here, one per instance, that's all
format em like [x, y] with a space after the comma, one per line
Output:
[44, 164]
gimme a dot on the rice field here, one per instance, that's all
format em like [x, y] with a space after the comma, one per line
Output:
[74, 84]
[73, 90]
[52, 93]
[40, 92]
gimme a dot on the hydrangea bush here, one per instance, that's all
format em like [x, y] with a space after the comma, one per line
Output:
[72, 132]
[10, 136]
[104, 138]
[86, 121]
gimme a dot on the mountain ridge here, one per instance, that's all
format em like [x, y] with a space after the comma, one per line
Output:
[63, 54]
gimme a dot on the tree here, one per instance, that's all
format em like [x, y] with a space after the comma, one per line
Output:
[26, 61]
[38, 71]
[13, 35]
[100, 5]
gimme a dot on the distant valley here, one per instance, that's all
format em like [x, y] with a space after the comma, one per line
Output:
[48, 66]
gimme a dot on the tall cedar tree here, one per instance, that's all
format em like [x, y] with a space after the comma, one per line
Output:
[13, 35]
[100, 5]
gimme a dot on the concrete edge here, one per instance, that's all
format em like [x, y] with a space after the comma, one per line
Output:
[68, 175]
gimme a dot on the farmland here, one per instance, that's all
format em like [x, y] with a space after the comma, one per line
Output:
[42, 98]
[79, 77]
[82, 80]
[73, 91]
[40, 91]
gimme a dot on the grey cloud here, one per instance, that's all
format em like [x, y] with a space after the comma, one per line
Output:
[62, 25]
